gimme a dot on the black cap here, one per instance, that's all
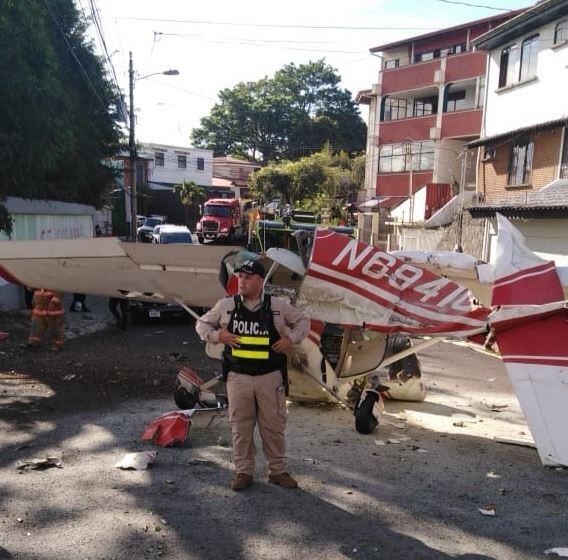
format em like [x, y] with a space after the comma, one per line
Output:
[252, 267]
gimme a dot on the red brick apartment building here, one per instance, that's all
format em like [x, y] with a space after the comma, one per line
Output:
[426, 106]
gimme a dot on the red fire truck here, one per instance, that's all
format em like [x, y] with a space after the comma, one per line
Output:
[222, 220]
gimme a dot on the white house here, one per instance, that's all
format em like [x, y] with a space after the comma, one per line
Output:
[171, 165]
[523, 148]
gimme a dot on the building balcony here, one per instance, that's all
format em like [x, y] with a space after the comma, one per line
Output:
[398, 184]
[414, 76]
[462, 124]
[440, 70]
[464, 66]
[417, 128]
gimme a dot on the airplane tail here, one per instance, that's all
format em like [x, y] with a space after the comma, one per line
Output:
[530, 323]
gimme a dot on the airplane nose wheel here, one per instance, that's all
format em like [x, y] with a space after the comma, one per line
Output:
[184, 399]
[366, 419]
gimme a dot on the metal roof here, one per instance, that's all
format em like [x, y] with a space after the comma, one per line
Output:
[16, 205]
[563, 121]
[536, 16]
[441, 32]
[549, 202]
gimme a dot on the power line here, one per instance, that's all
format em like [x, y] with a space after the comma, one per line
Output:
[98, 27]
[83, 71]
[475, 5]
[257, 43]
[290, 41]
[276, 25]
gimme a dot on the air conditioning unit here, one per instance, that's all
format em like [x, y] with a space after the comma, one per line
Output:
[434, 133]
[439, 76]
[376, 89]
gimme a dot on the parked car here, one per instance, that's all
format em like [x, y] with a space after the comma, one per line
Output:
[156, 233]
[144, 232]
[143, 310]
[175, 234]
[150, 311]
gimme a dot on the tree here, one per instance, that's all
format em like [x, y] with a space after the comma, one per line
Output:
[190, 193]
[312, 181]
[56, 128]
[285, 117]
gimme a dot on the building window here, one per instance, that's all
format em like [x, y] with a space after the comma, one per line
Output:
[440, 53]
[507, 65]
[390, 64]
[520, 164]
[455, 101]
[200, 164]
[159, 159]
[395, 158]
[423, 154]
[139, 171]
[182, 161]
[392, 158]
[489, 152]
[394, 109]
[561, 32]
[529, 58]
[425, 106]
[425, 56]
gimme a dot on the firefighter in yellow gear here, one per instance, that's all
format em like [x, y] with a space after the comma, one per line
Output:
[48, 317]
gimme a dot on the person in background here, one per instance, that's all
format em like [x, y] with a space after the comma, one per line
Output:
[114, 304]
[79, 303]
[48, 318]
[256, 331]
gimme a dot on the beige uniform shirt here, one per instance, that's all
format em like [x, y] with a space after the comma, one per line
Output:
[288, 320]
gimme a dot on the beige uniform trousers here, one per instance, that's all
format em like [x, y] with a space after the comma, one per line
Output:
[257, 399]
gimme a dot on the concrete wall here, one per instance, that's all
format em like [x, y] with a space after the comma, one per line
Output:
[41, 219]
[402, 212]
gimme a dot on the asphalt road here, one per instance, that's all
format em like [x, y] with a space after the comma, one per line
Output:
[416, 499]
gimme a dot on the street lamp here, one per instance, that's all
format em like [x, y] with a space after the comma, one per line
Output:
[132, 144]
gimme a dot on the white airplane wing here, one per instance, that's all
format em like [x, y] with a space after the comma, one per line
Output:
[108, 267]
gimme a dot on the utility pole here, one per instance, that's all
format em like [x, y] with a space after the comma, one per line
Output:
[459, 247]
[132, 149]
[410, 190]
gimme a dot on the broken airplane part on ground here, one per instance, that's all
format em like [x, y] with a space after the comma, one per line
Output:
[362, 302]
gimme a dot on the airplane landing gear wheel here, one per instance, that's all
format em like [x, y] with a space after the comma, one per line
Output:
[184, 399]
[365, 419]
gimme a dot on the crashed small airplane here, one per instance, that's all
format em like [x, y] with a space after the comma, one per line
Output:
[363, 303]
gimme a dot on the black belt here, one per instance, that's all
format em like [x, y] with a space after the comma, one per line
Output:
[252, 370]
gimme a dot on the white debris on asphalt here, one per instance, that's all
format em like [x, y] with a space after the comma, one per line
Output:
[40, 464]
[488, 510]
[562, 551]
[492, 474]
[379, 442]
[137, 461]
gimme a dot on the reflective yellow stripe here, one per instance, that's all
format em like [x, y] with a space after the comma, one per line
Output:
[252, 354]
[255, 340]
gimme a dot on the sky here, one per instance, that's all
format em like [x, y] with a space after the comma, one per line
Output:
[216, 44]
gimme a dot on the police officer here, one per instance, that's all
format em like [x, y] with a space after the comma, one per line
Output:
[256, 331]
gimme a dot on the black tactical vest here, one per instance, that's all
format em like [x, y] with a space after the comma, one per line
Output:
[257, 333]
